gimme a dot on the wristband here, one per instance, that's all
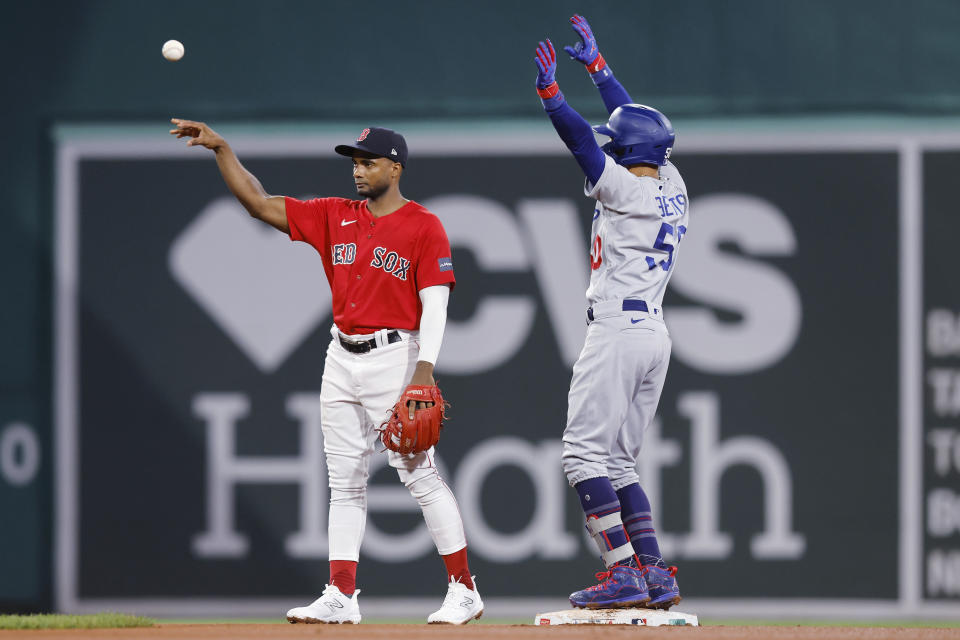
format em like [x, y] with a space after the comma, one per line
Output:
[548, 92]
[597, 64]
[551, 97]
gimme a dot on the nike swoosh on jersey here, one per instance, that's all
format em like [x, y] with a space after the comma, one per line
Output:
[344, 223]
[636, 320]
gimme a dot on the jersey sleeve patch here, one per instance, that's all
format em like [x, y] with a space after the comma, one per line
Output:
[434, 259]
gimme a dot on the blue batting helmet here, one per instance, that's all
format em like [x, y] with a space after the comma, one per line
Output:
[638, 134]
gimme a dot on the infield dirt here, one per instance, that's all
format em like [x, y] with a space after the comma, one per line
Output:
[482, 632]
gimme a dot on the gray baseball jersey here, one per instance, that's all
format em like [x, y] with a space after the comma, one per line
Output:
[617, 380]
[637, 227]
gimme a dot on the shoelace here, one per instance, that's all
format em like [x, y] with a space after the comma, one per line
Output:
[602, 577]
[605, 576]
[328, 590]
[452, 594]
[324, 594]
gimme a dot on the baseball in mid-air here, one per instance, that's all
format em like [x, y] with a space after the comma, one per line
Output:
[173, 50]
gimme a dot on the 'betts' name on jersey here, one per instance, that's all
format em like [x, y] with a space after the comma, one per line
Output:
[638, 223]
[375, 266]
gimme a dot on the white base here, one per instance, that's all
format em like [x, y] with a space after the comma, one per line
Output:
[641, 617]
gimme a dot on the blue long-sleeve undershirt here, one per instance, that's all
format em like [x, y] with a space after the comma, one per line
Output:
[576, 132]
[578, 136]
[611, 91]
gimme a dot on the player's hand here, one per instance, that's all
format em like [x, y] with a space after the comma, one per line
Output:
[413, 406]
[407, 433]
[423, 376]
[546, 64]
[585, 51]
[198, 132]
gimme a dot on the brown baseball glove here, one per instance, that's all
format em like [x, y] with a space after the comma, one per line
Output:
[402, 434]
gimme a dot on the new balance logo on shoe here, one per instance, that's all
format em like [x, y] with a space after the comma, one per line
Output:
[460, 606]
[333, 607]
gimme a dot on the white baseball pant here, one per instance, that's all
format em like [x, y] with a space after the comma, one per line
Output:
[357, 392]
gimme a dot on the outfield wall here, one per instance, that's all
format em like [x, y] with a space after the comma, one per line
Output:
[805, 453]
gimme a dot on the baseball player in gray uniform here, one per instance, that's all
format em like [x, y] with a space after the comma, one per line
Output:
[640, 217]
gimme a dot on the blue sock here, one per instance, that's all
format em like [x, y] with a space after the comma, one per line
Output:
[638, 521]
[598, 498]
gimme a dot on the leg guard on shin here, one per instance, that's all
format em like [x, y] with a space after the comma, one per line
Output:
[439, 508]
[602, 510]
[598, 529]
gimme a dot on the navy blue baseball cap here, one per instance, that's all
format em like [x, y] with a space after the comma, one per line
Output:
[378, 141]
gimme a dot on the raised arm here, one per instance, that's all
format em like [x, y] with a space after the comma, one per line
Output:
[588, 53]
[573, 129]
[243, 184]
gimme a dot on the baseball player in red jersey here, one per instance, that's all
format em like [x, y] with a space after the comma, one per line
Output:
[389, 266]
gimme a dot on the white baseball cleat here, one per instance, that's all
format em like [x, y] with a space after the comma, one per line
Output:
[330, 608]
[460, 606]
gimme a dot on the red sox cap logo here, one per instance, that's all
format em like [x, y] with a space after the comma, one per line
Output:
[363, 135]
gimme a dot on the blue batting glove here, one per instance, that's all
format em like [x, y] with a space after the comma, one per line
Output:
[585, 51]
[546, 64]
[547, 87]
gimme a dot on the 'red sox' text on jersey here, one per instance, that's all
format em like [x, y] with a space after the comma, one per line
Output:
[375, 266]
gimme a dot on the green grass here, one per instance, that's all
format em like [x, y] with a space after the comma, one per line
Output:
[58, 621]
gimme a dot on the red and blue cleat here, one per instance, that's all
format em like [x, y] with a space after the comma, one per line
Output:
[621, 586]
[662, 585]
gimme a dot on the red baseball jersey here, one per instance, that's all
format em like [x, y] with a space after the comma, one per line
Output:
[375, 266]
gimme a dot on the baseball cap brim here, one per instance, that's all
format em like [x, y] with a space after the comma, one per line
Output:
[347, 150]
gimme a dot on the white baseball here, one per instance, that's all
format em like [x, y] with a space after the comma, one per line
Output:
[172, 50]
